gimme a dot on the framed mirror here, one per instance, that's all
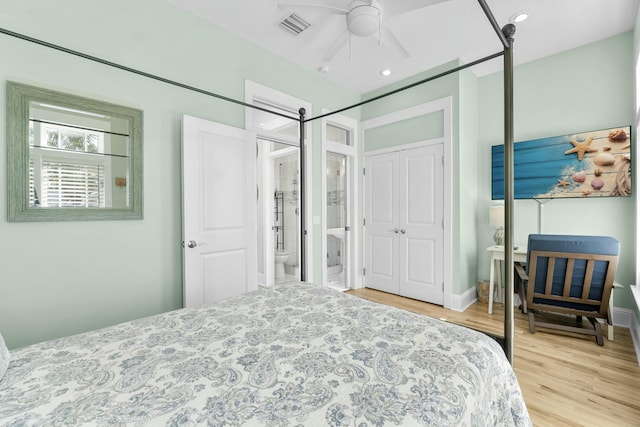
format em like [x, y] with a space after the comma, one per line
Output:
[71, 158]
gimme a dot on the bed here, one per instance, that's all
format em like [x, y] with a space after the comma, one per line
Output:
[293, 354]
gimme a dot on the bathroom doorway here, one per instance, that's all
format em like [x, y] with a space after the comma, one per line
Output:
[339, 160]
[278, 212]
[285, 220]
[337, 225]
[278, 184]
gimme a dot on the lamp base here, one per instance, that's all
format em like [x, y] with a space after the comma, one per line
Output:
[498, 236]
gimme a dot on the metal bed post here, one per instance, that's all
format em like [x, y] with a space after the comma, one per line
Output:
[508, 31]
[506, 37]
[302, 192]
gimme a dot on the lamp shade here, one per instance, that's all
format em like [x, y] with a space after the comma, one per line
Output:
[496, 216]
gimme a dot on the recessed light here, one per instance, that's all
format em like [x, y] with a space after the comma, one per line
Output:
[324, 69]
[519, 17]
[386, 72]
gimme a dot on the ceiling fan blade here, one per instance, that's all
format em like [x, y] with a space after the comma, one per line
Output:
[397, 7]
[336, 46]
[387, 38]
[314, 8]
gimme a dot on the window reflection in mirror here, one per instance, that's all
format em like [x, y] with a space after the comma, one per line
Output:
[84, 157]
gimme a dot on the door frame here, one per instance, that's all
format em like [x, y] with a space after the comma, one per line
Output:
[446, 106]
[253, 90]
[353, 165]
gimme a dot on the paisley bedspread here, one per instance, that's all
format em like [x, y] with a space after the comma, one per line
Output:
[290, 355]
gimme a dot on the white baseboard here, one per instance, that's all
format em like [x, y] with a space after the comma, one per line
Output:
[635, 336]
[464, 301]
[627, 319]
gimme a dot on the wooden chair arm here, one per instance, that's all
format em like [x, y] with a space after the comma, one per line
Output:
[520, 270]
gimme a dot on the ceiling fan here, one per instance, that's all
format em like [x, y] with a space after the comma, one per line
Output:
[365, 18]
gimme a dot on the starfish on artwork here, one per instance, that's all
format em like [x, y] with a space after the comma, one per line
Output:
[581, 147]
[562, 183]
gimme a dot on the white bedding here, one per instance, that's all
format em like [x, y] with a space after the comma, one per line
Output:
[294, 354]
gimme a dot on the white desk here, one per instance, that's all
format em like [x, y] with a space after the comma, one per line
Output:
[497, 256]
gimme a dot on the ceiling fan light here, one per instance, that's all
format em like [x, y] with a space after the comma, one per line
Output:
[364, 20]
[386, 72]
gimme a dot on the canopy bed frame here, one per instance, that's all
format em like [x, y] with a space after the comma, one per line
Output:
[505, 34]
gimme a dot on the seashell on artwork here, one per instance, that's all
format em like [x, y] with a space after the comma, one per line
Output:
[597, 184]
[604, 159]
[579, 176]
[617, 135]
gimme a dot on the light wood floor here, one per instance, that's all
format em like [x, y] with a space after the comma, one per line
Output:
[566, 379]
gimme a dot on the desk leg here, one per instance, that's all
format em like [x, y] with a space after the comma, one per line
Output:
[491, 274]
[499, 280]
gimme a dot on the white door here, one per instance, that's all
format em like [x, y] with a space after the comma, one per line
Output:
[404, 234]
[381, 223]
[218, 211]
[421, 252]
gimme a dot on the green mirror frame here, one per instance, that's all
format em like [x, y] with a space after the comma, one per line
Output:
[19, 98]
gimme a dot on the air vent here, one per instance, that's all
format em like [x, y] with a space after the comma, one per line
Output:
[294, 24]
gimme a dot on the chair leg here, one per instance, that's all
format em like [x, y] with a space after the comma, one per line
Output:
[523, 298]
[532, 323]
[598, 328]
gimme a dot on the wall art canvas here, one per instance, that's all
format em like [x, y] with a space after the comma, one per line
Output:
[587, 164]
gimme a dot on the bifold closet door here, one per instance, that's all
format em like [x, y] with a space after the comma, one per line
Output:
[421, 212]
[404, 233]
[381, 227]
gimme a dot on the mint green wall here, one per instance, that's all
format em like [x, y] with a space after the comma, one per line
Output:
[466, 173]
[416, 129]
[583, 89]
[62, 278]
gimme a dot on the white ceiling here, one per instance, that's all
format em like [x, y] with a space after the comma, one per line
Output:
[432, 35]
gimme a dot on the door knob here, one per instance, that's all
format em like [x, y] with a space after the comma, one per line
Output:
[395, 230]
[403, 231]
[192, 244]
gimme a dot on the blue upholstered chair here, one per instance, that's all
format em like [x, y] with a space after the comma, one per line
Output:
[569, 275]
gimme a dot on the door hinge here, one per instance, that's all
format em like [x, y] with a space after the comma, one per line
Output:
[364, 271]
[363, 171]
[442, 160]
[442, 286]
[364, 222]
[443, 223]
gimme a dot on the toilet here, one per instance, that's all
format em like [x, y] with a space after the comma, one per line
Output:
[280, 259]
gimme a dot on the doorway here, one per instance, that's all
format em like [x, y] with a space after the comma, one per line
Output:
[339, 159]
[283, 211]
[278, 185]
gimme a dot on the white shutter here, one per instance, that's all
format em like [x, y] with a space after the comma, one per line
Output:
[68, 184]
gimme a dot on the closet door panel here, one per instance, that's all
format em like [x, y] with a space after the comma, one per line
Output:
[381, 213]
[421, 227]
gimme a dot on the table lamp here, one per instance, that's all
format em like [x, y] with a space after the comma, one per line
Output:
[496, 219]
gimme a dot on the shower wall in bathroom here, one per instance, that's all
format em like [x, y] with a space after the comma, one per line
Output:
[286, 180]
